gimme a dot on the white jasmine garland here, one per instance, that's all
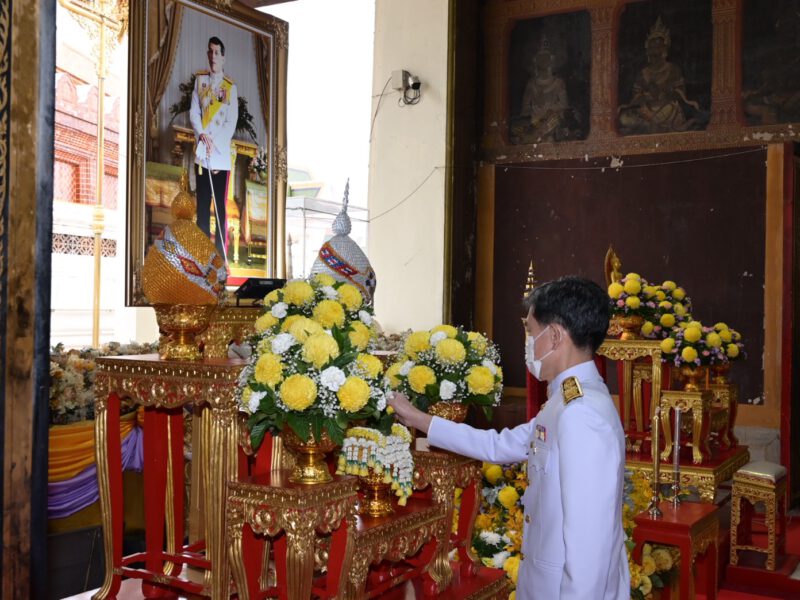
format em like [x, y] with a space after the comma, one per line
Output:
[329, 292]
[255, 400]
[406, 368]
[447, 389]
[279, 310]
[282, 342]
[332, 378]
[438, 337]
[365, 317]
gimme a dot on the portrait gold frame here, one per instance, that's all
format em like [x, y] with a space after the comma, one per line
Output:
[726, 127]
[238, 14]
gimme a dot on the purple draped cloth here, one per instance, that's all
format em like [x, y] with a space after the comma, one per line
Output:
[65, 498]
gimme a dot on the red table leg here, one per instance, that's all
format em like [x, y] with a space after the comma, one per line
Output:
[178, 489]
[155, 485]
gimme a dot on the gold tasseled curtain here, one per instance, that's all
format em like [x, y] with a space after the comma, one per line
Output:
[163, 31]
[263, 60]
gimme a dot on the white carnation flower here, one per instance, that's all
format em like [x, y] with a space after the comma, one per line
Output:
[282, 342]
[255, 400]
[490, 537]
[279, 310]
[381, 404]
[404, 370]
[447, 389]
[365, 317]
[491, 366]
[438, 337]
[332, 378]
[499, 559]
[329, 292]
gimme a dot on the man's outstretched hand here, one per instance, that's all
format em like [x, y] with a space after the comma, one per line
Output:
[407, 413]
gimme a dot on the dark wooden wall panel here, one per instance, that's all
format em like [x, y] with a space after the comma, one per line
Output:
[695, 217]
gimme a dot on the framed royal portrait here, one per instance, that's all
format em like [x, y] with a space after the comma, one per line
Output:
[207, 98]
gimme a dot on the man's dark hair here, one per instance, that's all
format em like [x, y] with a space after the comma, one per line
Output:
[217, 42]
[579, 305]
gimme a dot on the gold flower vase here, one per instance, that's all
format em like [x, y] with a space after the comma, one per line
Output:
[693, 377]
[378, 497]
[631, 326]
[720, 372]
[310, 466]
[180, 323]
[452, 411]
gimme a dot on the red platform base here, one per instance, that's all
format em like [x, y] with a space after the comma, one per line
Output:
[751, 576]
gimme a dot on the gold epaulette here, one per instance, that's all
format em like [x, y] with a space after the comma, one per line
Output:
[203, 72]
[571, 389]
[228, 79]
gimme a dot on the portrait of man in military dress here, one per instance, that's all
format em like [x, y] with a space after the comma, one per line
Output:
[213, 116]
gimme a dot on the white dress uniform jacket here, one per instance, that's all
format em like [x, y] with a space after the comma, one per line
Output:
[573, 542]
[214, 111]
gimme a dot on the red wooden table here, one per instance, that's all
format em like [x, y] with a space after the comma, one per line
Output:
[693, 527]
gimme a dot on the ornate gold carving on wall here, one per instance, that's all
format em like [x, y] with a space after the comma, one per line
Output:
[725, 128]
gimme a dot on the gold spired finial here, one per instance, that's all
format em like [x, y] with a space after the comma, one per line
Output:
[613, 266]
[530, 282]
[183, 204]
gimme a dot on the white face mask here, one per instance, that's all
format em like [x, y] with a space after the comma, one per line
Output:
[535, 364]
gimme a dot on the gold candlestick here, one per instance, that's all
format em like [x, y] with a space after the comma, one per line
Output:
[652, 509]
[676, 466]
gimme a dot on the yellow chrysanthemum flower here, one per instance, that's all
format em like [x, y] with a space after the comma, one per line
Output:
[372, 365]
[720, 326]
[303, 328]
[667, 345]
[636, 574]
[660, 296]
[508, 496]
[271, 298]
[647, 328]
[667, 320]
[493, 473]
[663, 559]
[692, 334]
[666, 305]
[448, 330]
[512, 595]
[633, 302]
[298, 392]
[264, 322]
[269, 369]
[329, 313]
[646, 586]
[650, 290]
[320, 348]
[417, 342]
[324, 279]
[511, 567]
[725, 335]
[648, 565]
[289, 321]
[679, 293]
[483, 521]
[679, 309]
[480, 380]
[419, 377]
[732, 350]
[634, 276]
[714, 340]
[478, 341]
[246, 393]
[350, 296]
[353, 394]
[697, 324]
[669, 285]
[298, 292]
[632, 286]
[391, 374]
[689, 354]
[451, 351]
[360, 335]
[615, 290]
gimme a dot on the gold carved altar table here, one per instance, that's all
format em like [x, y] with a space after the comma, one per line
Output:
[163, 388]
[699, 405]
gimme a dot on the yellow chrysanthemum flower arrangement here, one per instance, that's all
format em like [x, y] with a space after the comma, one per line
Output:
[448, 364]
[311, 370]
[694, 344]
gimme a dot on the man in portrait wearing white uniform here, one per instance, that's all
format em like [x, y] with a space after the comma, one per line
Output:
[573, 543]
[213, 114]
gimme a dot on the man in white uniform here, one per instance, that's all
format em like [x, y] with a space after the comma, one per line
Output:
[213, 114]
[573, 542]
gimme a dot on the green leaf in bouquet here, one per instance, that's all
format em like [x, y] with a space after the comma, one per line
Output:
[432, 390]
[257, 433]
[256, 417]
[656, 581]
[488, 412]
[341, 420]
[335, 432]
[299, 424]
[344, 359]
